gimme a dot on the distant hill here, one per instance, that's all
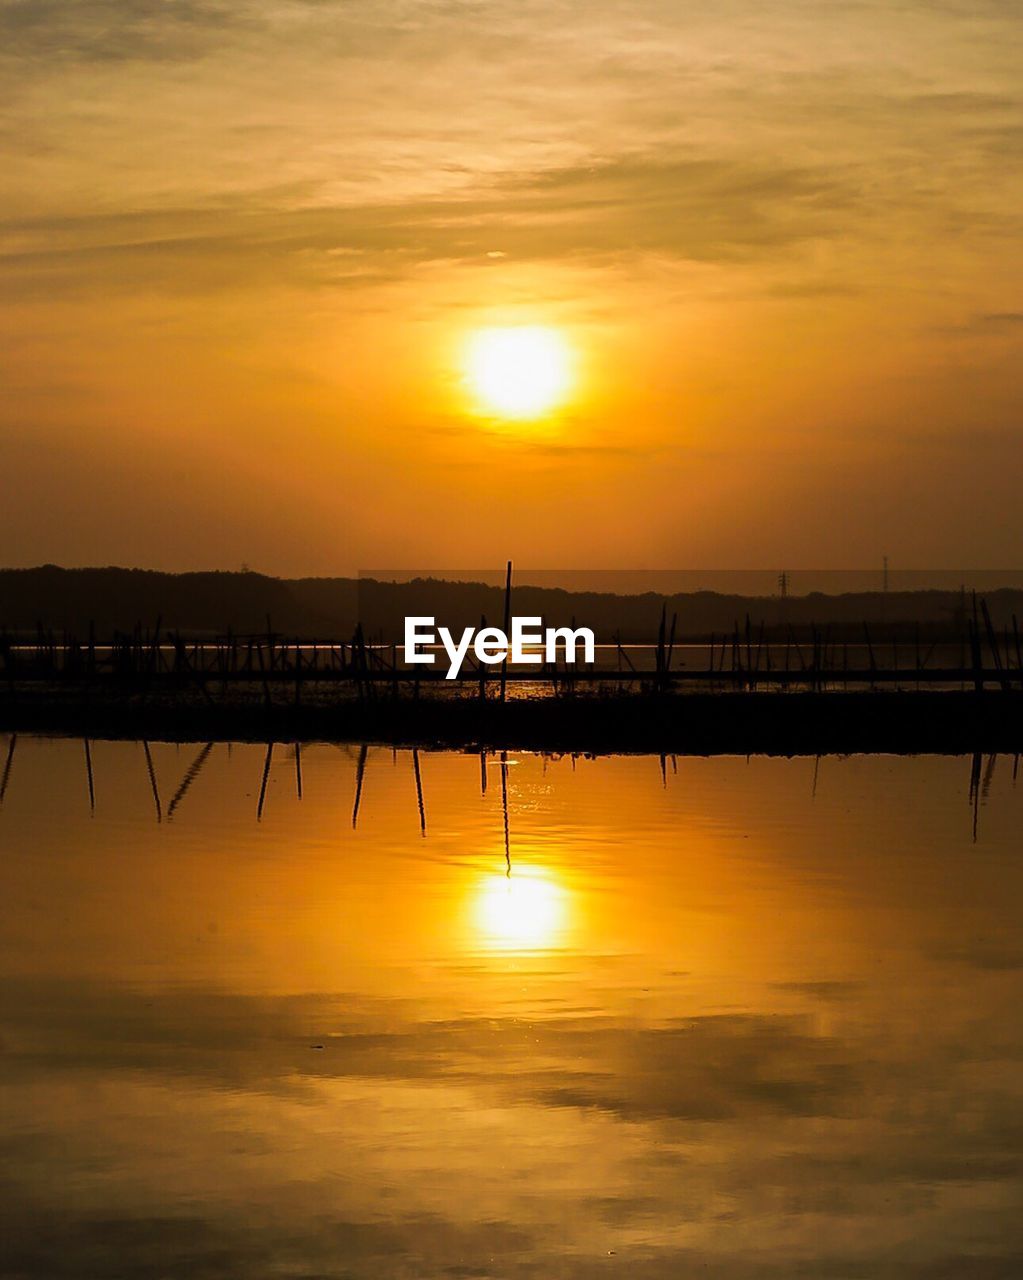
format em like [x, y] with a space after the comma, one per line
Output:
[116, 599]
[197, 604]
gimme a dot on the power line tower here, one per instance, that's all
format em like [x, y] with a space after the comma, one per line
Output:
[783, 589]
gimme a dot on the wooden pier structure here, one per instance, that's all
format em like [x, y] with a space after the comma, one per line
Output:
[739, 692]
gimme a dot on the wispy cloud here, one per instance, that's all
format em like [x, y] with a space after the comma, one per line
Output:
[106, 31]
[691, 209]
[763, 220]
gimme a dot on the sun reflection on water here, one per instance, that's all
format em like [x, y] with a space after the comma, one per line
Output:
[524, 911]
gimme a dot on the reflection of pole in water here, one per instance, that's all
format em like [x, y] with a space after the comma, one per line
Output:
[190, 775]
[298, 769]
[975, 791]
[360, 773]
[483, 773]
[989, 773]
[152, 780]
[7, 766]
[88, 772]
[664, 769]
[504, 807]
[419, 790]
[266, 778]
[816, 775]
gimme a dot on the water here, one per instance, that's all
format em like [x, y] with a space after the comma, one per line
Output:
[746, 1019]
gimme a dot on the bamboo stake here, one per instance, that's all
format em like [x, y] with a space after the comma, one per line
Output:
[483, 685]
[265, 780]
[419, 791]
[504, 808]
[6, 777]
[992, 640]
[190, 775]
[507, 626]
[671, 648]
[88, 771]
[152, 780]
[360, 773]
[975, 791]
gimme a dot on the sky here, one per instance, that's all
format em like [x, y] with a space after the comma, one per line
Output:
[244, 248]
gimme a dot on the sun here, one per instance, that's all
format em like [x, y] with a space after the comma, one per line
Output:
[521, 912]
[520, 372]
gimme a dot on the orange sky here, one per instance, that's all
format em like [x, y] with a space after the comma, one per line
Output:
[242, 247]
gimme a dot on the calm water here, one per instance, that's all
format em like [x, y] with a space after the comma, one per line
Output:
[736, 1021]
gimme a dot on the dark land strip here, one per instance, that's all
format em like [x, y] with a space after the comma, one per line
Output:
[695, 723]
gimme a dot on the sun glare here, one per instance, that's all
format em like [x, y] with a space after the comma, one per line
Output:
[519, 372]
[523, 912]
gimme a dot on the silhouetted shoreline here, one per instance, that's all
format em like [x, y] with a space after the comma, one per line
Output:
[805, 722]
[104, 602]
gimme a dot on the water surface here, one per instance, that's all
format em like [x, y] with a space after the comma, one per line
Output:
[706, 1017]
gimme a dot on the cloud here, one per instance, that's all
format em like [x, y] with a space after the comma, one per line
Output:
[590, 1134]
[998, 322]
[114, 30]
[991, 954]
[689, 209]
[707, 1068]
[210, 1246]
[447, 133]
[713, 1067]
[987, 324]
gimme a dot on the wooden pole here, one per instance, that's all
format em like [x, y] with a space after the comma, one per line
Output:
[88, 771]
[191, 773]
[419, 791]
[6, 777]
[992, 640]
[360, 773]
[507, 625]
[266, 779]
[152, 780]
[504, 808]
[483, 685]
